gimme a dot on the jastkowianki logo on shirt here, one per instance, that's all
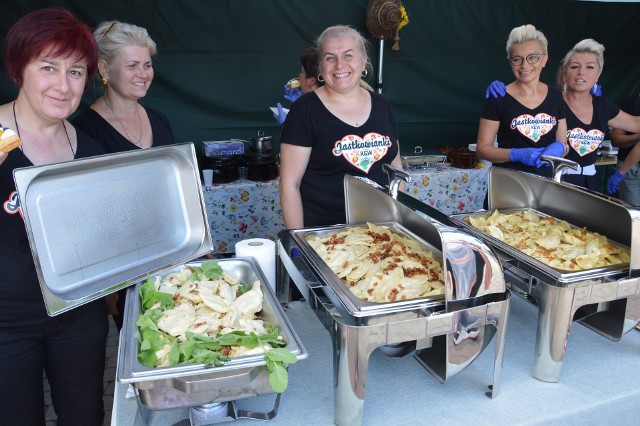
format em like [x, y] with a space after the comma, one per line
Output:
[584, 142]
[12, 205]
[362, 152]
[534, 127]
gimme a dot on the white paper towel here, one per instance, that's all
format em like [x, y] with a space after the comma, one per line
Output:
[264, 251]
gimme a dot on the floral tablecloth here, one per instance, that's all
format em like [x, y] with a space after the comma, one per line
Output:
[241, 210]
[450, 190]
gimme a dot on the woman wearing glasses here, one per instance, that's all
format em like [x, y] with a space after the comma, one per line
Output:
[529, 121]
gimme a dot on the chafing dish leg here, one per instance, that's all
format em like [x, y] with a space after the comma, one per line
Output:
[352, 348]
[632, 314]
[554, 323]
[498, 315]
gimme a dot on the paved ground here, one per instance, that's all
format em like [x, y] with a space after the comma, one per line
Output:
[109, 379]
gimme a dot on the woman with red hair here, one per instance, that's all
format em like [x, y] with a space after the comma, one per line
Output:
[51, 56]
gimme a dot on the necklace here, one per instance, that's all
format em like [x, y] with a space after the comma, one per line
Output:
[18, 132]
[124, 126]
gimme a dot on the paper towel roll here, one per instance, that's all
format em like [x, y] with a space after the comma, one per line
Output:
[264, 251]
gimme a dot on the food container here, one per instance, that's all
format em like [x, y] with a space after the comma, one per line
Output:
[193, 384]
[605, 299]
[225, 169]
[417, 162]
[446, 334]
[463, 158]
[100, 224]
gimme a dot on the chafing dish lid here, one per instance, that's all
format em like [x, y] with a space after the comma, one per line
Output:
[99, 224]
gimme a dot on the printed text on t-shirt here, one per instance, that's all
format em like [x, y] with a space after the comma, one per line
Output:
[362, 152]
[534, 127]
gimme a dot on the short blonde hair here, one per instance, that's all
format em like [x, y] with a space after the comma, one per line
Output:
[526, 33]
[112, 36]
[587, 45]
[344, 31]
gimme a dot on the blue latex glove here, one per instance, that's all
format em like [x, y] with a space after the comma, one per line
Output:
[292, 94]
[556, 149]
[596, 90]
[613, 184]
[281, 115]
[497, 89]
[527, 156]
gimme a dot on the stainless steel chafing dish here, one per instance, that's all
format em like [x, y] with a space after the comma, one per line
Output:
[445, 334]
[100, 224]
[606, 299]
[194, 385]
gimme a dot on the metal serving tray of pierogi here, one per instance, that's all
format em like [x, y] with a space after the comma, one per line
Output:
[99, 224]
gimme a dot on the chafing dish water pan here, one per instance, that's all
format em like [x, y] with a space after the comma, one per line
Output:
[99, 224]
[192, 384]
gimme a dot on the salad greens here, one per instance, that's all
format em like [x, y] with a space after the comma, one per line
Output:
[204, 349]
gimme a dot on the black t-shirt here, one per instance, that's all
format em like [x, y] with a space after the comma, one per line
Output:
[92, 123]
[20, 295]
[630, 105]
[522, 127]
[585, 139]
[338, 149]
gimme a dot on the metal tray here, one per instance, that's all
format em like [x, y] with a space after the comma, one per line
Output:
[99, 224]
[561, 274]
[356, 306]
[193, 384]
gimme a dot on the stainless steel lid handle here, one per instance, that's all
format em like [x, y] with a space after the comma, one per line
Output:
[395, 177]
[558, 164]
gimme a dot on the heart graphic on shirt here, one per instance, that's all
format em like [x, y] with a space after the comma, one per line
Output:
[583, 142]
[362, 152]
[534, 127]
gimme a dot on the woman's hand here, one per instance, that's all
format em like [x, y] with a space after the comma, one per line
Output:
[292, 94]
[281, 115]
[527, 156]
[497, 89]
[613, 184]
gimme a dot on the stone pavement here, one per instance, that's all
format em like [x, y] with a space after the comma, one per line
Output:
[109, 379]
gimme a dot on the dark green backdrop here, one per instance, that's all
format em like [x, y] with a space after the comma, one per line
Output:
[222, 63]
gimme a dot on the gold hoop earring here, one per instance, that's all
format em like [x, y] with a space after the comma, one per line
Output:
[319, 78]
[365, 73]
[105, 82]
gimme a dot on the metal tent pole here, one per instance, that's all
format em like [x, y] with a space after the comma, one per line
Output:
[380, 57]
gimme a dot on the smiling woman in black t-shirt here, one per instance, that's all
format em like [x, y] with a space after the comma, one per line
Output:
[339, 129]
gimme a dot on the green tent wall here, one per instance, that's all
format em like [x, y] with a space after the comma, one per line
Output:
[222, 63]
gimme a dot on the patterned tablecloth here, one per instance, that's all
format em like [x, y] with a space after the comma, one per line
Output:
[449, 189]
[241, 210]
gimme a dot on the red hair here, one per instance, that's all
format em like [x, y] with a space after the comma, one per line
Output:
[52, 31]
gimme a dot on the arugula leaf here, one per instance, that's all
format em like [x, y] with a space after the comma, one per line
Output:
[281, 355]
[278, 377]
[150, 296]
[212, 270]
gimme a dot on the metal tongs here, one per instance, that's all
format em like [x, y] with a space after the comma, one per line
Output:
[558, 164]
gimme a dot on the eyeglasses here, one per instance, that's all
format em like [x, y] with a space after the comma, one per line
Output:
[518, 60]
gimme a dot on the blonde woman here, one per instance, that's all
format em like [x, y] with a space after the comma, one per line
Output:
[529, 121]
[340, 128]
[117, 119]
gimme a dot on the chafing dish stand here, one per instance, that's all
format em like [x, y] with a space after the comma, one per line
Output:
[607, 300]
[446, 335]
